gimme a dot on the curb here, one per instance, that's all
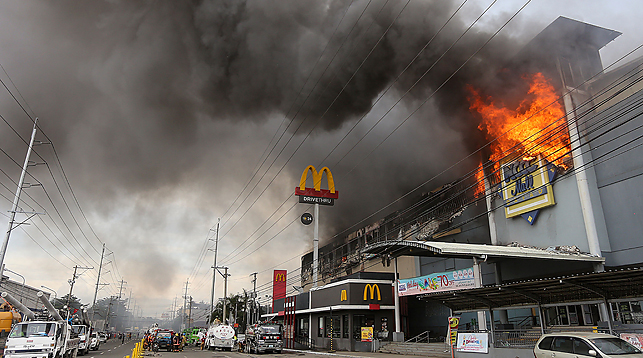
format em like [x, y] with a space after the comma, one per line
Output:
[326, 353]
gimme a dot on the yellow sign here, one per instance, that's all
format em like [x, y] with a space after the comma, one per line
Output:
[526, 187]
[317, 179]
[372, 288]
[453, 329]
[280, 277]
[344, 296]
[367, 334]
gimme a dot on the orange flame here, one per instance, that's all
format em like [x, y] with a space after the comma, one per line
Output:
[479, 189]
[537, 126]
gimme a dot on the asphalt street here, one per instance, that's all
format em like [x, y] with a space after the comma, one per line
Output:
[114, 349]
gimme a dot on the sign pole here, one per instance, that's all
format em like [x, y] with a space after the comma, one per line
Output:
[398, 335]
[316, 245]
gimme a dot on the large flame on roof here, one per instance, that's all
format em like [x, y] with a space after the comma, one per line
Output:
[537, 126]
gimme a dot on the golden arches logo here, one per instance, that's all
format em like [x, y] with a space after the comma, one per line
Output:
[372, 288]
[316, 190]
[280, 277]
[344, 296]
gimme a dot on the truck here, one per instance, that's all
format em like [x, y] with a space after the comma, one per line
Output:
[163, 339]
[36, 338]
[220, 336]
[82, 328]
[8, 317]
[264, 337]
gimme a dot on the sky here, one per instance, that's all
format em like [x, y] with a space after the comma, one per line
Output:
[164, 116]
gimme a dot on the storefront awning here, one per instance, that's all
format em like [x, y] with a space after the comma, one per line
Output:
[610, 286]
[396, 248]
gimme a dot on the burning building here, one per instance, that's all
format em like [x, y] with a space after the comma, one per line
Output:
[554, 194]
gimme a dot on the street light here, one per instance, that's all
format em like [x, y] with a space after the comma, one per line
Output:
[47, 288]
[23, 282]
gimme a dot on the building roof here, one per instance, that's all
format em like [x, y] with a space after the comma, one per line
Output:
[460, 250]
[594, 287]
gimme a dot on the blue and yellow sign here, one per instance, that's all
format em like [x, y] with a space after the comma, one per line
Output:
[526, 187]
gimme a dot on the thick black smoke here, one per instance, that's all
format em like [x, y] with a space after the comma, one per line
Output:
[157, 104]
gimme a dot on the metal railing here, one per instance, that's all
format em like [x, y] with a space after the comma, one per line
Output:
[516, 338]
[424, 336]
[305, 342]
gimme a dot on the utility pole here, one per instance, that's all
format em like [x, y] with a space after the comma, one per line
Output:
[120, 291]
[71, 289]
[109, 308]
[214, 273]
[184, 308]
[225, 293]
[100, 268]
[16, 198]
[190, 313]
[254, 296]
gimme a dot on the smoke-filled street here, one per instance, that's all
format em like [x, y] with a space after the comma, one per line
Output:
[319, 174]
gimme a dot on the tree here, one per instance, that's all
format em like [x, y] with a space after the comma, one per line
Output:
[113, 311]
[237, 304]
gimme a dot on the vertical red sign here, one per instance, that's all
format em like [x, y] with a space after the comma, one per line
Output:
[278, 286]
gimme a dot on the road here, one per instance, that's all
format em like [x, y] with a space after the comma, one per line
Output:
[114, 349]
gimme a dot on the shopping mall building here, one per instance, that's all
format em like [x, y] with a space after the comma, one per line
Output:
[545, 236]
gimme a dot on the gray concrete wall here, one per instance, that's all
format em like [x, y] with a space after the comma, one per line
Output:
[620, 178]
[561, 224]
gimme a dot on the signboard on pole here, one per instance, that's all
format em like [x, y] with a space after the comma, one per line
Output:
[437, 282]
[317, 195]
[473, 342]
[453, 329]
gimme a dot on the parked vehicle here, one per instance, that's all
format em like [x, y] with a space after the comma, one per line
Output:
[8, 317]
[94, 341]
[163, 339]
[220, 336]
[40, 338]
[102, 337]
[264, 337]
[574, 344]
[82, 332]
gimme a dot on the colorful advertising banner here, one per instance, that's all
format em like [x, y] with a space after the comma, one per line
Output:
[437, 282]
[367, 334]
[473, 342]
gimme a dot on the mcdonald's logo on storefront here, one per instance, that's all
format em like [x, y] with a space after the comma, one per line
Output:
[372, 289]
[317, 195]
[344, 296]
[280, 277]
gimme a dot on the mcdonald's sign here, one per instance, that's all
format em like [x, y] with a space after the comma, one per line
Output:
[317, 195]
[343, 296]
[374, 287]
[279, 278]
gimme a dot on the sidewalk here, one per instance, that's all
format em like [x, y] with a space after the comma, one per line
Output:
[354, 354]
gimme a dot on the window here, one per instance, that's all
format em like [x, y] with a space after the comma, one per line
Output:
[546, 343]
[614, 346]
[581, 348]
[336, 327]
[563, 344]
[346, 330]
[302, 328]
[360, 321]
[320, 327]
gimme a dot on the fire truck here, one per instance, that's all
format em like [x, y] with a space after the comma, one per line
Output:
[264, 337]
